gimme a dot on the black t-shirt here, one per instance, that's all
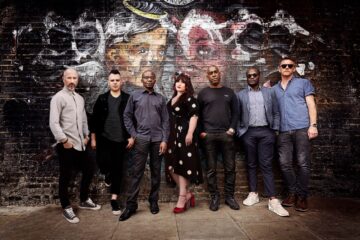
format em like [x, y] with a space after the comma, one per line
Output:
[112, 128]
[218, 109]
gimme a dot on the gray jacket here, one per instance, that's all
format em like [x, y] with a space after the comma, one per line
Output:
[271, 110]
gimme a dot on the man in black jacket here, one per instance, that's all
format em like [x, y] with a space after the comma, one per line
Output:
[109, 135]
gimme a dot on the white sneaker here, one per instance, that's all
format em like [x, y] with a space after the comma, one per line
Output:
[251, 199]
[70, 215]
[89, 204]
[275, 206]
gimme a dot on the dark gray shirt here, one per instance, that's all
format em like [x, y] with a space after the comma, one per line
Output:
[257, 115]
[146, 116]
[112, 128]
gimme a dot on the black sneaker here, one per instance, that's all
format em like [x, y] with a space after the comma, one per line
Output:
[70, 215]
[115, 207]
[89, 204]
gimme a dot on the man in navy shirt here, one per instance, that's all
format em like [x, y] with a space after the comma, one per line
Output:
[147, 120]
[298, 126]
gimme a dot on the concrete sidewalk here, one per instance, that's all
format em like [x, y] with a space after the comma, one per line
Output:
[328, 218]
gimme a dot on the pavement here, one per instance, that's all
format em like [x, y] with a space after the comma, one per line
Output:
[328, 218]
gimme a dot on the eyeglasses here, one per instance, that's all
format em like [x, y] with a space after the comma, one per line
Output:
[254, 75]
[287, 65]
[212, 72]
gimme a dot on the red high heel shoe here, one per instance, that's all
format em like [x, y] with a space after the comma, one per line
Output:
[183, 209]
[192, 200]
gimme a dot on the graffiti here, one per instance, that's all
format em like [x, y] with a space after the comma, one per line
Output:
[178, 2]
[142, 35]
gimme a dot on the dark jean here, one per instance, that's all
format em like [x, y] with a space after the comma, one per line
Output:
[111, 159]
[259, 145]
[71, 161]
[142, 149]
[215, 143]
[295, 144]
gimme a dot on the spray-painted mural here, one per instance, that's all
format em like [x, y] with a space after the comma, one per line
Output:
[165, 36]
[143, 35]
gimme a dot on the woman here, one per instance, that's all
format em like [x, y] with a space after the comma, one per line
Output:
[182, 160]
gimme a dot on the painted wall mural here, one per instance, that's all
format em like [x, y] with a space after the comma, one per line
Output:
[165, 36]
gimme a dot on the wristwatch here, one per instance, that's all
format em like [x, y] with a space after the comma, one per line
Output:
[314, 125]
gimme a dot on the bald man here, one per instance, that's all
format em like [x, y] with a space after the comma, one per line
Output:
[68, 123]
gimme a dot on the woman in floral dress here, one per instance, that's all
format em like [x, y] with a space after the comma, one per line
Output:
[182, 159]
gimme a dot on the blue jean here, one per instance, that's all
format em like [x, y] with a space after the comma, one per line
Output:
[142, 149]
[259, 149]
[215, 143]
[295, 144]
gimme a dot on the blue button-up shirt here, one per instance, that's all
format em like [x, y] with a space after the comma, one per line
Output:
[294, 112]
[146, 116]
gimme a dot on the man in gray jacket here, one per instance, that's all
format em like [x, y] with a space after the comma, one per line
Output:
[68, 123]
[259, 119]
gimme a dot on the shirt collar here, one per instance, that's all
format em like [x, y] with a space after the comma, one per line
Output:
[150, 93]
[252, 90]
[68, 91]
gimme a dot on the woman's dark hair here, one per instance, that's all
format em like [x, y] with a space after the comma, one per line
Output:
[189, 90]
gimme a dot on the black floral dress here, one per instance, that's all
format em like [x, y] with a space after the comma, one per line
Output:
[179, 158]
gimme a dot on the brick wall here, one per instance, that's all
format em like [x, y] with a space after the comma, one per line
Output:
[40, 39]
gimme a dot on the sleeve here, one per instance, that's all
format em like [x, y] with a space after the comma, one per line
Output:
[200, 120]
[275, 111]
[129, 117]
[93, 124]
[240, 110]
[308, 88]
[165, 121]
[84, 121]
[234, 111]
[193, 107]
[54, 119]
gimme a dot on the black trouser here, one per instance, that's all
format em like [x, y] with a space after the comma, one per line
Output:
[259, 149]
[142, 149]
[71, 161]
[110, 159]
[215, 143]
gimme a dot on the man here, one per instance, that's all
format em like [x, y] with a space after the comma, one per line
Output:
[109, 135]
[258, 122]
[146, 119]
[68, 123]
[297, 126]
[218, 119]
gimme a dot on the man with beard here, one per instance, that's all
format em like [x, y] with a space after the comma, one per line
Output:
[68, 123]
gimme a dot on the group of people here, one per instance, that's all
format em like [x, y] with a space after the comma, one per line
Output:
[145, 125]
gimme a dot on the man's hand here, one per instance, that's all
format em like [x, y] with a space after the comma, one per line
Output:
[131, 142]
[203, 135]
[230, 132]
[312, 132]
[162, 148]
[93, 144]
[67, 145]
[86, 140]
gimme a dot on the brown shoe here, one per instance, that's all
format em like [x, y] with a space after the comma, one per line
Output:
[301, 204]
[289, 201]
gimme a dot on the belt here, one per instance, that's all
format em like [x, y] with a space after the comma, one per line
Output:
[266, 126]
